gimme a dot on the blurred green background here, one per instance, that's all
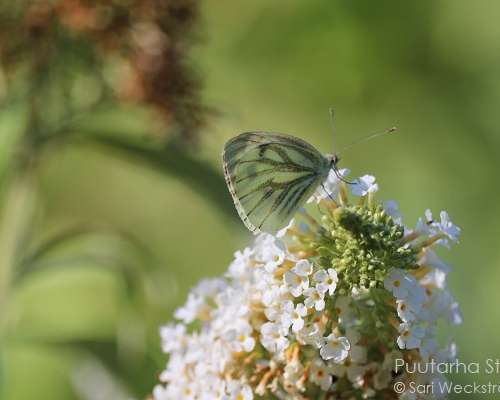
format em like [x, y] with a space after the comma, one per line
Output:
[114, 205]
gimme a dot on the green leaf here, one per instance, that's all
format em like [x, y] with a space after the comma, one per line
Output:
[137, 377]
[176, 162]
[86, 246]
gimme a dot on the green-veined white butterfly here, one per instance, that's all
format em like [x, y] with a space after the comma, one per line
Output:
[271, 175]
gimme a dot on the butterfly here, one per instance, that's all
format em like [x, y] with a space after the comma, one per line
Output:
[271, 175]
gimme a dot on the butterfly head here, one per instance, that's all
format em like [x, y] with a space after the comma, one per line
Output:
[334, 160]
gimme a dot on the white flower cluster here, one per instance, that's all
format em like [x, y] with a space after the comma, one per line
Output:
[278, 326]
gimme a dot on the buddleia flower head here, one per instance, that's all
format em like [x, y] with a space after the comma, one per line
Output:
[322, 310]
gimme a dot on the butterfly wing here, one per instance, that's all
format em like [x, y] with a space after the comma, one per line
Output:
[270, 176]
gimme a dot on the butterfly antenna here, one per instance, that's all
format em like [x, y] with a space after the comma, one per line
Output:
[331, 111]
[365, 139]
[370, 137]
